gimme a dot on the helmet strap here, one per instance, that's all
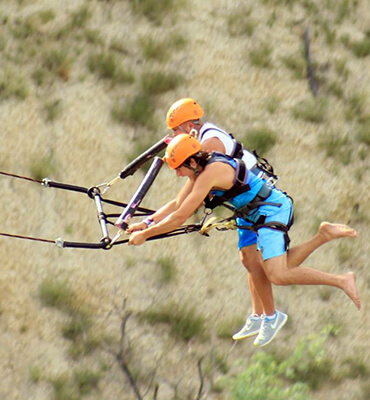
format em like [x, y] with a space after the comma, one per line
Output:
[196, 169]
[193, 132]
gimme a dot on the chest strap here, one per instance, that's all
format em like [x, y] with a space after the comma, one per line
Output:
[239, 187]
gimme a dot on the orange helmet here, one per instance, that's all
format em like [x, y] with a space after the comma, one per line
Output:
[182, 111]
[180, 149]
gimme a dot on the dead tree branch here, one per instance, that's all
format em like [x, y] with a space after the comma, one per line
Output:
[310, 69]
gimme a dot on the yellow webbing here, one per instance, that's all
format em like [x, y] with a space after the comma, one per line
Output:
[221, 224]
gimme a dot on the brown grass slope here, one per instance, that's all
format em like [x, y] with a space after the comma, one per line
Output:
[68, 115]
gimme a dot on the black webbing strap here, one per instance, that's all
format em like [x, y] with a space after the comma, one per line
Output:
[239, 187]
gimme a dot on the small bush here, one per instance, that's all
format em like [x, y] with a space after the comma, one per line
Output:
[46, 16]
[355, 105]
[52, 110]
[35, 374]
[80, 17]
[333, 144]
[354, 368]
[154, 10]
[312, 110]
[297, 64]
[335, 88]
[168, 269]
[79, 324]
[93, 36]
[261, 139]
[160, 82]
[86, 380]
[363, 134]
[226, 328]
[56, 293]
[24, 28]
[12, 86]
[239, 22]
[340, 66]
[107, 66]
[184, 322]
[42, 168]
[261, 56]
[139, 111]
[361, 48]
[272, 104]
[64, 389]
[58, 62]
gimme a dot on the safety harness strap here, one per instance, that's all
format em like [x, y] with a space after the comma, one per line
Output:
[239, 187]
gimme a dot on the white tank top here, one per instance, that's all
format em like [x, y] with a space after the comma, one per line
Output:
[208, 131]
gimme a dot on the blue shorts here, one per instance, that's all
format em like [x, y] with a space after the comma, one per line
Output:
[271, 242]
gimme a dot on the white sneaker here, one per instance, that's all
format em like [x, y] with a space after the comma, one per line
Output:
[270, 327]
[251, 328]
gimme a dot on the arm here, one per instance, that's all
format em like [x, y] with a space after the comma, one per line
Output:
[213, 144]
[165, 210]
[216, 175]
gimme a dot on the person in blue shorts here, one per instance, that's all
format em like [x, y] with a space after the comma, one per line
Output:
[267, 209]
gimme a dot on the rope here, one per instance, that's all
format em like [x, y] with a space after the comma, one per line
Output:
[20, 177]
[27, 237]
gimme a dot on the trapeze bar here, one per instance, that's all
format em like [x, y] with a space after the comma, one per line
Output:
[144, 157]
[135, 201]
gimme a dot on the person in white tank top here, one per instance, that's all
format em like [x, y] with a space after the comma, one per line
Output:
[184, 116]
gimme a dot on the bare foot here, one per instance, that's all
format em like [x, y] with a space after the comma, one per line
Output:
[350, 288]
[335, 231]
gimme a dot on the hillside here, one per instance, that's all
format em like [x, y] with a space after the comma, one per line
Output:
[84, 87]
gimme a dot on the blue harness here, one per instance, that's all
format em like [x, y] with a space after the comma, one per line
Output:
[247, 195]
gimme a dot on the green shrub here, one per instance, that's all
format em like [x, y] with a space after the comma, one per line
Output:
[340, 66]
[261, 56]
[42, 168]
[312, 110]
[63, 389]
[261, 139]
[12, 86]
[78, 325]
[56, 293]
[262, 380]
[272, 104]
[334, 145]
[355, 105]
[52, 110]
[107, 66]
[271, 377]
[154, 49]
[239, 22]
[160, 82]
[309, 363]
[24, 28]
[226, 328]
[184, 321]
[58, 62]
[80, 17]
[155, 10]
[335, 88]
[168, 270]
[86, 380]
[363, 134]
[361, 48]
[93, 36]
[138, 111]
[46, 16]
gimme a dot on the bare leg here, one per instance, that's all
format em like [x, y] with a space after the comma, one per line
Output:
[327, 232]
[260, 286]
[277, 271]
